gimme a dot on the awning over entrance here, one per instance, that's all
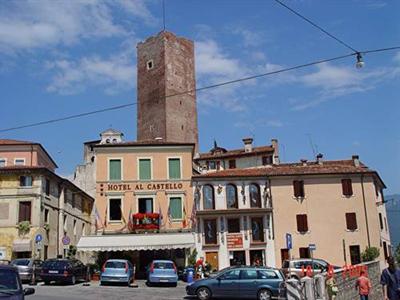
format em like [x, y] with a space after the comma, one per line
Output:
[22, 245]
[124, 242]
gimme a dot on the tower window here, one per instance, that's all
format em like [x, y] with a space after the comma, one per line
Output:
[150, 64]
[182, 127]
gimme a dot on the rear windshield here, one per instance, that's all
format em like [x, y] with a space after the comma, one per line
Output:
[8, 280]
[163, 265]
[20, 262]
[285, 264]
[115, 265]
[56, 264]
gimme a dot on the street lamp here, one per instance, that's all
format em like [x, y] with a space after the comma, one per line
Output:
[360, 63]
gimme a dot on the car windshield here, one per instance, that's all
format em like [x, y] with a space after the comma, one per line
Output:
[115, 265]
[8, 280]
[163, 265]
[56, 264]
[20, 262]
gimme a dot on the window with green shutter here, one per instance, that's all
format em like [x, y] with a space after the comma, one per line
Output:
[144, 169]
[115, 169]
[174, 167]
[175, 206]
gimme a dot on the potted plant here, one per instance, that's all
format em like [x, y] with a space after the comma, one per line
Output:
[24, 227]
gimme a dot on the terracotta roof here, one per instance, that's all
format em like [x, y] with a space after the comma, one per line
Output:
[144, 143]
[236, 153]
[15, 142]
[312, 168]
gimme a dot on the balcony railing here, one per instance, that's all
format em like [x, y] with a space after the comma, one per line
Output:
[144, 222]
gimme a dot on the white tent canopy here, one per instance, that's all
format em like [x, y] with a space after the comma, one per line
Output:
[126, 242]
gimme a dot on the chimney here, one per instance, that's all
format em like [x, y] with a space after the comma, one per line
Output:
[275, 158]
[248, 144]
[319, 158]
[303, 161]
[356, 160]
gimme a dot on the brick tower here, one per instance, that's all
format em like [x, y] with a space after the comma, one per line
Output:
[166, 67]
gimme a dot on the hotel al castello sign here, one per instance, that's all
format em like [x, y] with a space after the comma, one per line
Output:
[151, 186]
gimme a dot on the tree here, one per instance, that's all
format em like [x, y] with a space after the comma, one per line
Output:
[370, 254]
[397, 254]
[192, 258]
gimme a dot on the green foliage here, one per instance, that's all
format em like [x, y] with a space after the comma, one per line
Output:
[46, 226]
[24, 227]
[192, 258]
[397, 253]
[71, 251]
[370, 254]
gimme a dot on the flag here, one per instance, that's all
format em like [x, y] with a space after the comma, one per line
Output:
[169, 215]
[98, 222]
[184, 223]
[193, 215]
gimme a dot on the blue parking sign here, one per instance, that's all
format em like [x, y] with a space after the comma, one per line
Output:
[38, 238]
[289, 241]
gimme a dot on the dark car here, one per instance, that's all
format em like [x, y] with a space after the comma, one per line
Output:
[10, 284]
[63, 270]
[241, 282]
[26, 266]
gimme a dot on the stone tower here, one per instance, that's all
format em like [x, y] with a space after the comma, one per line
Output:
[166, 67]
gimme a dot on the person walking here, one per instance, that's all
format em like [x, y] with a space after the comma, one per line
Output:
[390, 280]
[364, 286]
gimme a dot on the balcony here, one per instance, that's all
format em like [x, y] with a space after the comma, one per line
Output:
[144, 222]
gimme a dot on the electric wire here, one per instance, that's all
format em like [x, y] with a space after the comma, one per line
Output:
[315, 25]
[199, 89]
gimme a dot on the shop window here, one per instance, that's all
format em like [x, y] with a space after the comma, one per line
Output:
[25, 181]
[257, 257]
[145, 205]
[144, 169]
[304, 252]
[255, 196]
[284, 257]
[208, 197]
[234, 225]
[298, 188]
[115, 213]
[302, 224]
[347, 188]
[115, 169]
[267, 160]
[24, 211]
[3, 162]
[210, 231]
[231, 196]
[174, 168]
[237, 258]
[355, 254]
[257, 229]
[232, 164]
[175, 207]
[351, 221]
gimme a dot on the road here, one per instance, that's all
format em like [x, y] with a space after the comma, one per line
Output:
[96, 292]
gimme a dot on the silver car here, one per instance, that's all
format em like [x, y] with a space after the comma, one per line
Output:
[25, 268]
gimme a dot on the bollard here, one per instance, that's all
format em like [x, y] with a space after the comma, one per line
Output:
[308, 289]
[319, 283]
[134, 284]
[293, 289]
[33, 277]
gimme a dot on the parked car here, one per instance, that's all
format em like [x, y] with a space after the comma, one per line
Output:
[10, 284]
[63, 270]
[241, 282]
[299, 266]
[162, 271]
[117, 270]
[4, 262]
[25, 268]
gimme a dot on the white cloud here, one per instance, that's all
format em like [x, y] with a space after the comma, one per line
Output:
[254, 124]
[250, 38]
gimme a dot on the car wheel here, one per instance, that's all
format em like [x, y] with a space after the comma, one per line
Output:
[46, 282]
[203, 293]
[73, 280]
[264, 295]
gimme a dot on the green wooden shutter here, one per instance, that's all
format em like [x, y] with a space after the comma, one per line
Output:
[144, 169]
[174, 168]
[115, 169]
[175, 205]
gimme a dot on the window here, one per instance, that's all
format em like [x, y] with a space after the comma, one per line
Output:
[3, 162]
[347, 188]
[175, 207]
[218, 165]
[267, 274]
[114, 169]
[302, 224]
[380, 221]
[144, 169]
[232, 164]
[150, 64]
[231, 275]
[355, 254]
[174, 168]
[351, 221]
[267, 160]
[208, 197]
[298, 188]
[255, 196]
[257, 230]
[74, 228]
[385, 252]
[231, 196]
[19, 162]
[233, 225]
[25, 181]
[24, 211]
[114, 210]
[47, 186]
[386, 227]
[46, 216]
[210, 231]
[145, 205]
[248, 275]
[304, 252]
[212, 165]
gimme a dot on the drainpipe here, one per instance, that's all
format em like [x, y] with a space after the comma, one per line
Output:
[365, 209]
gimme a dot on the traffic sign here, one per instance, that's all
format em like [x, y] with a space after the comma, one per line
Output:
[66, 240]
[289, 244]
[38, 238]
[312, 247]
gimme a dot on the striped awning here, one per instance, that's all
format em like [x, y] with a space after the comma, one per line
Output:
[22, 245]
[126, 242]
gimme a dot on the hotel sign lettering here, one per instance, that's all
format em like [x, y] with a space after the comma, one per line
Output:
[142, 186]
[235, 240]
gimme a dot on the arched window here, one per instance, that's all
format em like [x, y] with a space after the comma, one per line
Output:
[208, 197]
[255, 195]
[231, 196]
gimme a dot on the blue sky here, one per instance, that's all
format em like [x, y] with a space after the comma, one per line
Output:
[65, 57]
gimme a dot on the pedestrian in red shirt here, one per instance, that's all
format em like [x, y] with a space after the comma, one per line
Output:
[364, 286]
